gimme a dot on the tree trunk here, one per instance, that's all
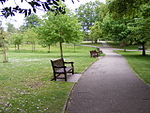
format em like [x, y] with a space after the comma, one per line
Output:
[4, 53]
[15, 47]
[18, 46]
[33, 47]
[92, 41]
[125, 50]
[95, 41]
[49, 48]
[143, 49]
[74, 48]
[61, 50]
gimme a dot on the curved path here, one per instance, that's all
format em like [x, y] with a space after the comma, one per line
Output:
[109, 86]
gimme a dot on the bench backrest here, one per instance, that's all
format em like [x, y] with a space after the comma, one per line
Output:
[94, 51]
[58, 63]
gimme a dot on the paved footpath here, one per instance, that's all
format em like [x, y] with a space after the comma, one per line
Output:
[110, 86]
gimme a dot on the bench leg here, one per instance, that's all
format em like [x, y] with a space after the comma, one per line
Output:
[65, 76]
[55, 77]
[72, 71]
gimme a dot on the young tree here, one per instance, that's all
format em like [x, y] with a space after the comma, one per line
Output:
[17, 39]
[3, 43]
[30, 36]
[96, 32]
[60, 28]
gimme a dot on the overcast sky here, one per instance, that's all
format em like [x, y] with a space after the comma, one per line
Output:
[19, 18]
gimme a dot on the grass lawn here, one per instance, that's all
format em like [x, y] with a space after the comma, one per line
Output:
[140, 64]
[25, 85]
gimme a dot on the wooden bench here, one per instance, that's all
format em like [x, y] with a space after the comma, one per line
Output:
[94, 53]
[59, 68]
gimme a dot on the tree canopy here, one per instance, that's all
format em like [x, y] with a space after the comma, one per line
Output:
[86, 14]
[60, 28]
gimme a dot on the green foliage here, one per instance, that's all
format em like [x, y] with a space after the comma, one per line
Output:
[127, 8]
[32, 21]
[3, 38]
[10, 28]
[126, 22]
[101, 12]
[17, 39]
[59, 28]
[86, 14]
[30, 36]
[116, 30]
[140, 30]
[96, 32]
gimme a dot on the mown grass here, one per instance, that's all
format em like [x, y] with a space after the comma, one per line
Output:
[25, 85]
[139, 63]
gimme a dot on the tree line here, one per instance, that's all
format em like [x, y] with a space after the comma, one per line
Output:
[46, 31]
[124, 22]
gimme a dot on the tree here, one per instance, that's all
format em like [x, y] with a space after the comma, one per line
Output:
[140, 32]
[17, 39]
[34, 6]
[32, 21]
[96, 32]
[101, 12]
[30, 36]
[127, 8]
[10, 28]
[3, 43]
[86, 14]
[60, 28]
[136, 17]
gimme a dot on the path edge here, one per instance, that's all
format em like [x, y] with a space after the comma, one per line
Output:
[68, 99]
[133, 70]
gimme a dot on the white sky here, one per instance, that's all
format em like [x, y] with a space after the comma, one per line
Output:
[18, 19]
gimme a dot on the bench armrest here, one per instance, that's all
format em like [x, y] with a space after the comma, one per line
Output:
[69, 63]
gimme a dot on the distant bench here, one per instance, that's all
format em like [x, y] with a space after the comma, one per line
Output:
[96, 53]
[59, 68]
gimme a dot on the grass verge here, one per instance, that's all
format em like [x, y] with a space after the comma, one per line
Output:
[139, 63]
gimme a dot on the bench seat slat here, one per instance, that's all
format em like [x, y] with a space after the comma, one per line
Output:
[61, 70]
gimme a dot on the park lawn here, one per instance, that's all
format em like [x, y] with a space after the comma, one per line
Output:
[25, 85]
[140, 64]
